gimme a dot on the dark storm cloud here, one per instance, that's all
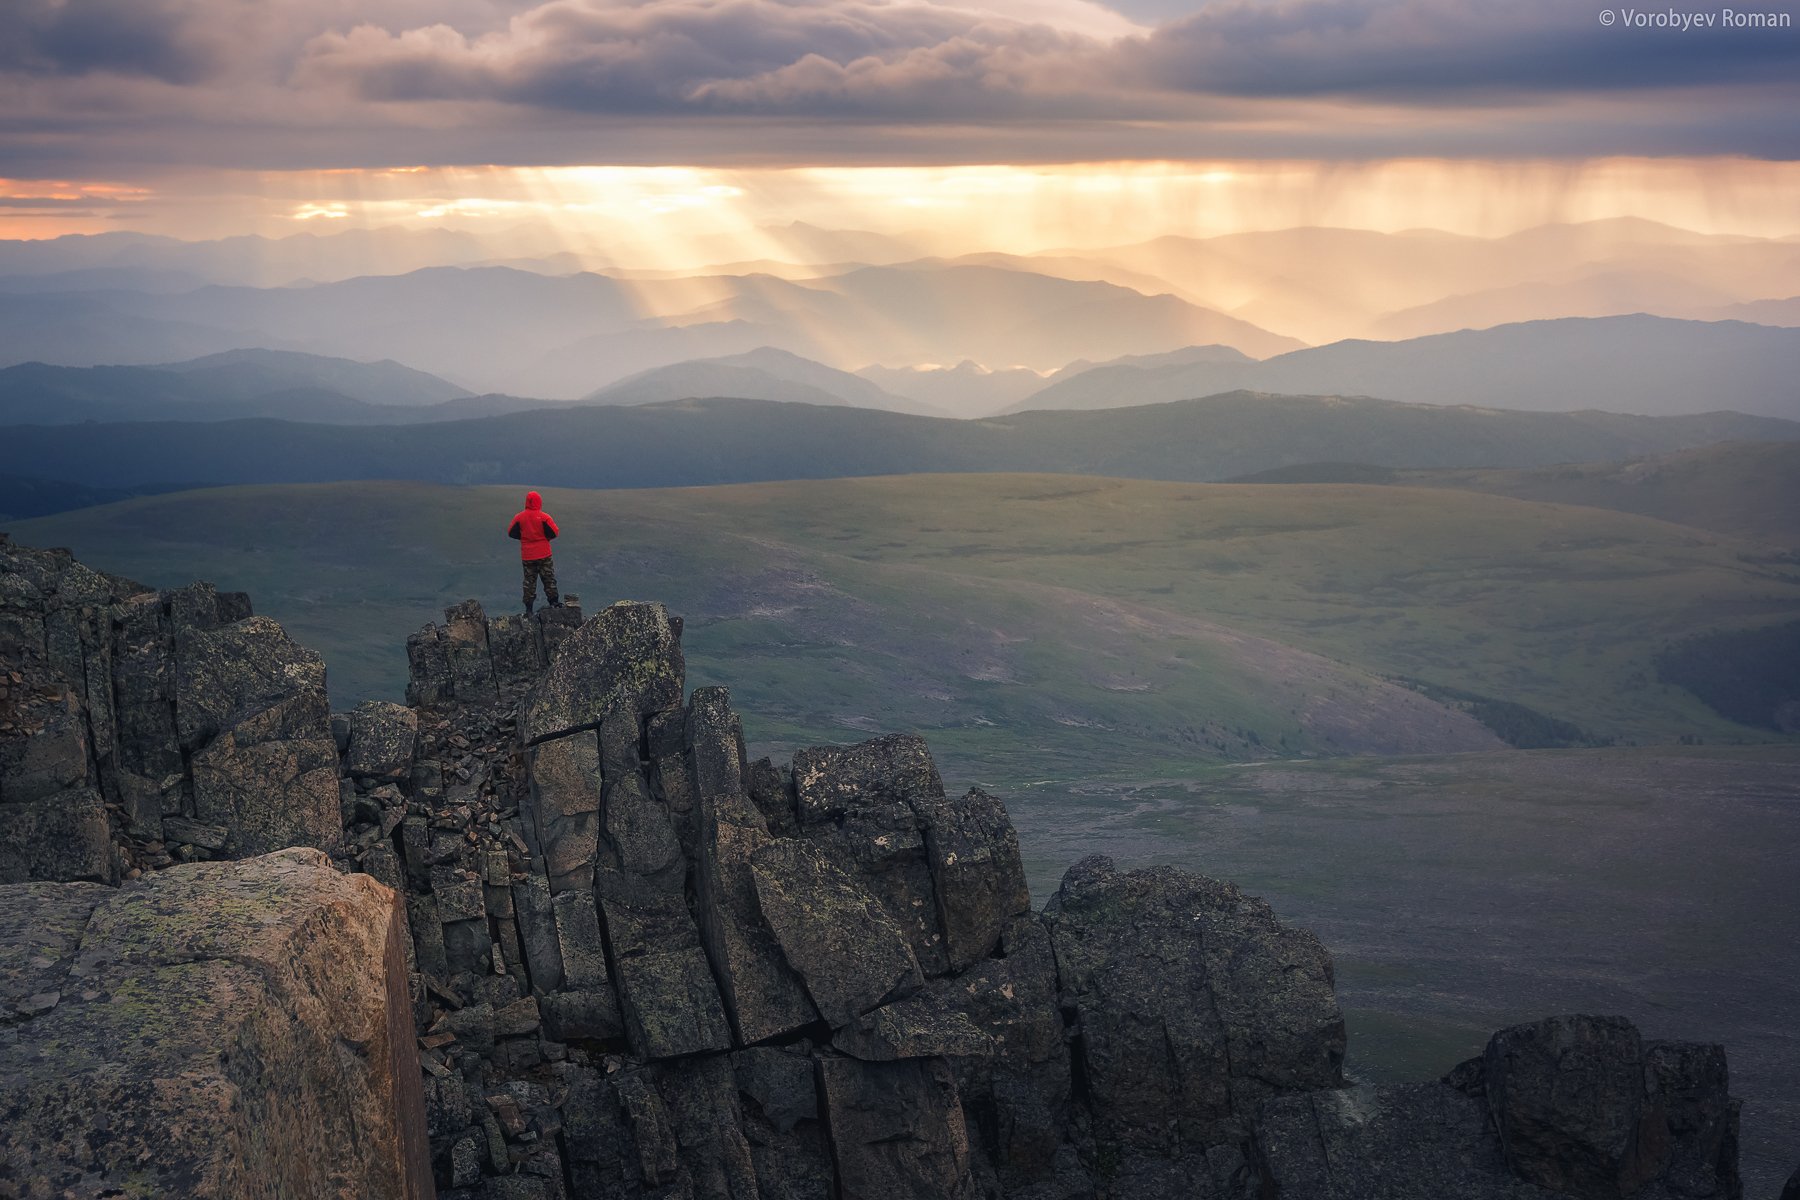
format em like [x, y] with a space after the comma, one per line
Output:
[866, 58]
[167, 40]
[356, 82]
[1447, 47]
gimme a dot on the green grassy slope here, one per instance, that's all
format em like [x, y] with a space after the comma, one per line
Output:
[1749, 489]
[1029, 623]
[741, 441]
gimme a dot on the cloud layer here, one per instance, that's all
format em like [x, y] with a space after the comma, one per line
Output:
[342, 82]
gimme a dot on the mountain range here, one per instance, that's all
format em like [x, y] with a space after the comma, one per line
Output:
[505, 329]
[1325, 285]
[239, 384]
[1635, 364]
[761, 374]
[513, 313]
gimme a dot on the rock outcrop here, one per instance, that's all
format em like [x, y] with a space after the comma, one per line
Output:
[140, 728]
[1565, 1107]
[641, 965]
[223, 1030]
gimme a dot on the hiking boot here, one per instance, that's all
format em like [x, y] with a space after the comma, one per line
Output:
[556, 602]
[528, 606]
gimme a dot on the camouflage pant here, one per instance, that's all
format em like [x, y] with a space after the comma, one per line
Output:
[544, 569]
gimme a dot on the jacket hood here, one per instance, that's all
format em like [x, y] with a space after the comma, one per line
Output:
[533, 501]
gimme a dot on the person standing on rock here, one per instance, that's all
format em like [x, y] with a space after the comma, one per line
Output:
[533, 529]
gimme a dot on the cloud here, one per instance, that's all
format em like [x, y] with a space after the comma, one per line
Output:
[168, 40]
[852, 57]
[1440, 48]
[373, 82]
[864, 58]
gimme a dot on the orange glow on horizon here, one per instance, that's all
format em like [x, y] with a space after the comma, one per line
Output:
[674, 217]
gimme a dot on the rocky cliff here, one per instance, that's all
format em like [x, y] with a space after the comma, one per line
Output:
[141, 728]
[641, 965]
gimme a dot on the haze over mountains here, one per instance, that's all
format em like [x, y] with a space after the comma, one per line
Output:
[511, 314]
[238, 384]
[1637, 364]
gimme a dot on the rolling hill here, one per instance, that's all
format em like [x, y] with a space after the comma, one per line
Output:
[1047, 624]
[761, 374]
[1749, 490]
[691, 443]
[1631, 364]
[238, 384]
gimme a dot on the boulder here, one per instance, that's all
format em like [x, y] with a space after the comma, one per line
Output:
[763, 996]
[627, 658]
[1689, 1088]
[833, 781]
[1792, 1190]
[1193, 1004]
[215, 1030]
[867, 804]
[271, 779]
[225, 675]
[428, 682]
[382, 737]
[849, 952]
[1566, 1095]
[714, 739]
[466, 651]
[1584, 1107]
[976, 873]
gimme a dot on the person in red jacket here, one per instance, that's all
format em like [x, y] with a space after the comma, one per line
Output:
[533, 530]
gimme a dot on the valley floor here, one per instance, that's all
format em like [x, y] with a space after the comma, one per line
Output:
[1461, 893]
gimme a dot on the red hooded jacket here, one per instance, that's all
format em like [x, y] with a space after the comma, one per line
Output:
[533, 528]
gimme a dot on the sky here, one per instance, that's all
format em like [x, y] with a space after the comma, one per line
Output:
[997, 122]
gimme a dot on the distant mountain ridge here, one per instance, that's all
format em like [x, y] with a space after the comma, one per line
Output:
[1326, 284]
[761, 374]
[504, 329]
[1653, 366]
[233, 384]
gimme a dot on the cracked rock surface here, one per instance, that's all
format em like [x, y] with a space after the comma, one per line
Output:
[213, 1030]
[630, 962]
